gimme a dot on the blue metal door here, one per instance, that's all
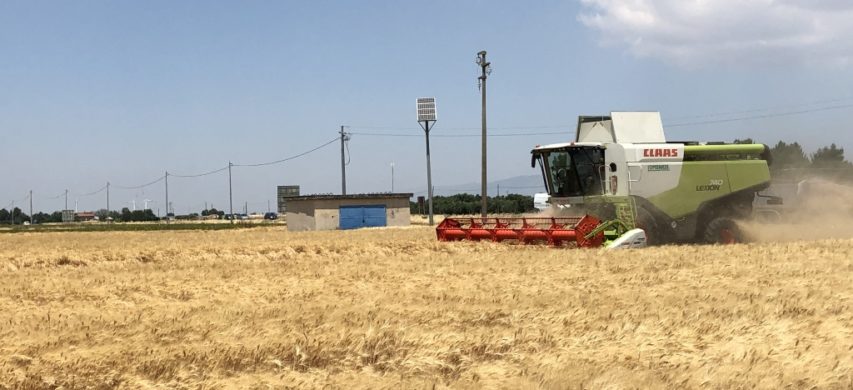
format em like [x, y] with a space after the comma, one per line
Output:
[354, 217]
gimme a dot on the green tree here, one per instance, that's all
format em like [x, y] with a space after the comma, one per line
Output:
[828, 156]
[788, 156]
[744, 141]
[41, 217]
[126, 216]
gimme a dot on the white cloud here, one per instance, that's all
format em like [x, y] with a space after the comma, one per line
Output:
[694, 33]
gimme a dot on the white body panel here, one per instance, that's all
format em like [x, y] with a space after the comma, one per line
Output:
[634, 238]
[622, 127]
[653, 168]
[540, 201]
[600, 131]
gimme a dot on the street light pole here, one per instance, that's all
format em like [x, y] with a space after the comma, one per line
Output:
[427, 113]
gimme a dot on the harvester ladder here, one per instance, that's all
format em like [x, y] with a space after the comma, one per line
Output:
[625, 212]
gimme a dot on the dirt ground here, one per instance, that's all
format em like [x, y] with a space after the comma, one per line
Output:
[392, 308]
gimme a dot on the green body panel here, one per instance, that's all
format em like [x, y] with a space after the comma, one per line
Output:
[703, 181]
[754, 149]
[746, 174]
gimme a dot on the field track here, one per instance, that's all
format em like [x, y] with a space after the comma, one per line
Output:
[393, 308]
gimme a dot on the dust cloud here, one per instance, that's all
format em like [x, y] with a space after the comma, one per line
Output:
[821, 209]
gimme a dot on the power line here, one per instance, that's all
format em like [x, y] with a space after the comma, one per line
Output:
[462, 128]
[789, 113]
[814, 103]
[201, 174]
[288, 158]
[159, 179]
[91, 193]
[461, 135]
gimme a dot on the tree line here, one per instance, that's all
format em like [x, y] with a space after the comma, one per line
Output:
[461, 204]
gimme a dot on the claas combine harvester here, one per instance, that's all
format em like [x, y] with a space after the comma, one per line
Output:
[622, 184]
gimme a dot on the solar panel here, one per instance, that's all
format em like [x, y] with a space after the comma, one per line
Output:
[426, 109]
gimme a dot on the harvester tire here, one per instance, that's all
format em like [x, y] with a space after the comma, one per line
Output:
[723, 231]
[647, 222]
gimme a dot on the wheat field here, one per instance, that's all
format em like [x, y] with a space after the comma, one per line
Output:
[393, 308]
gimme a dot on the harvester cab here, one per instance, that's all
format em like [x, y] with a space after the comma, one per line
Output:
[621, 172]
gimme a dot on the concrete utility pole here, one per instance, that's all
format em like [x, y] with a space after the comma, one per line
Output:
[108, 199]
[344, 139]
[485, 66]
[66, 199]
[230, 194]
[31, 206]
[392, 177]
[167, 196]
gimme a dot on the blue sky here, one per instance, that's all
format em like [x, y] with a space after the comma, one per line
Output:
[119, 91]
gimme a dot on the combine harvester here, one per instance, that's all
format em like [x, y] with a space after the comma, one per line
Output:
[627, 187]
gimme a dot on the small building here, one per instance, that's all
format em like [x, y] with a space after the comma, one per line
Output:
[332, 212]
[85, 216]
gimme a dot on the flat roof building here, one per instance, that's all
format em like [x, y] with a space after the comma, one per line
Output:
[332, 212]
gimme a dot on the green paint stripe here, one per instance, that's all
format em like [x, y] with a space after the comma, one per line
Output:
[724, 149]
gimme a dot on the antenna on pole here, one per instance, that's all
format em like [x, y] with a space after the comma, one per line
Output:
[486, 69]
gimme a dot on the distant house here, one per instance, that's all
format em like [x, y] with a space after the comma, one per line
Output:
[84, 216]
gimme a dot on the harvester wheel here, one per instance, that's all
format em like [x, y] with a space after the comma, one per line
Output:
[723, 231]
[647, 222]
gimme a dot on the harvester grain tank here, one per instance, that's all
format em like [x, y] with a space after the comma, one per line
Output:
[622, 172]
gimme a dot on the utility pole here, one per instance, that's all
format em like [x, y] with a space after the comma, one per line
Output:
[66, 199]
[31, 207]
[167, 196]
[230, 195]
[344, 139]
[108, 199]
[392, 177]
[485, 66]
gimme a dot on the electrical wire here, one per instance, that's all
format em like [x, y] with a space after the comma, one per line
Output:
[789, 113]
[90, 193]
[12, 203]
[461, 135]
[463, 128]
[288, 158]
[201, 174]
[788, 106]
[61, 194]
[159, 179]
